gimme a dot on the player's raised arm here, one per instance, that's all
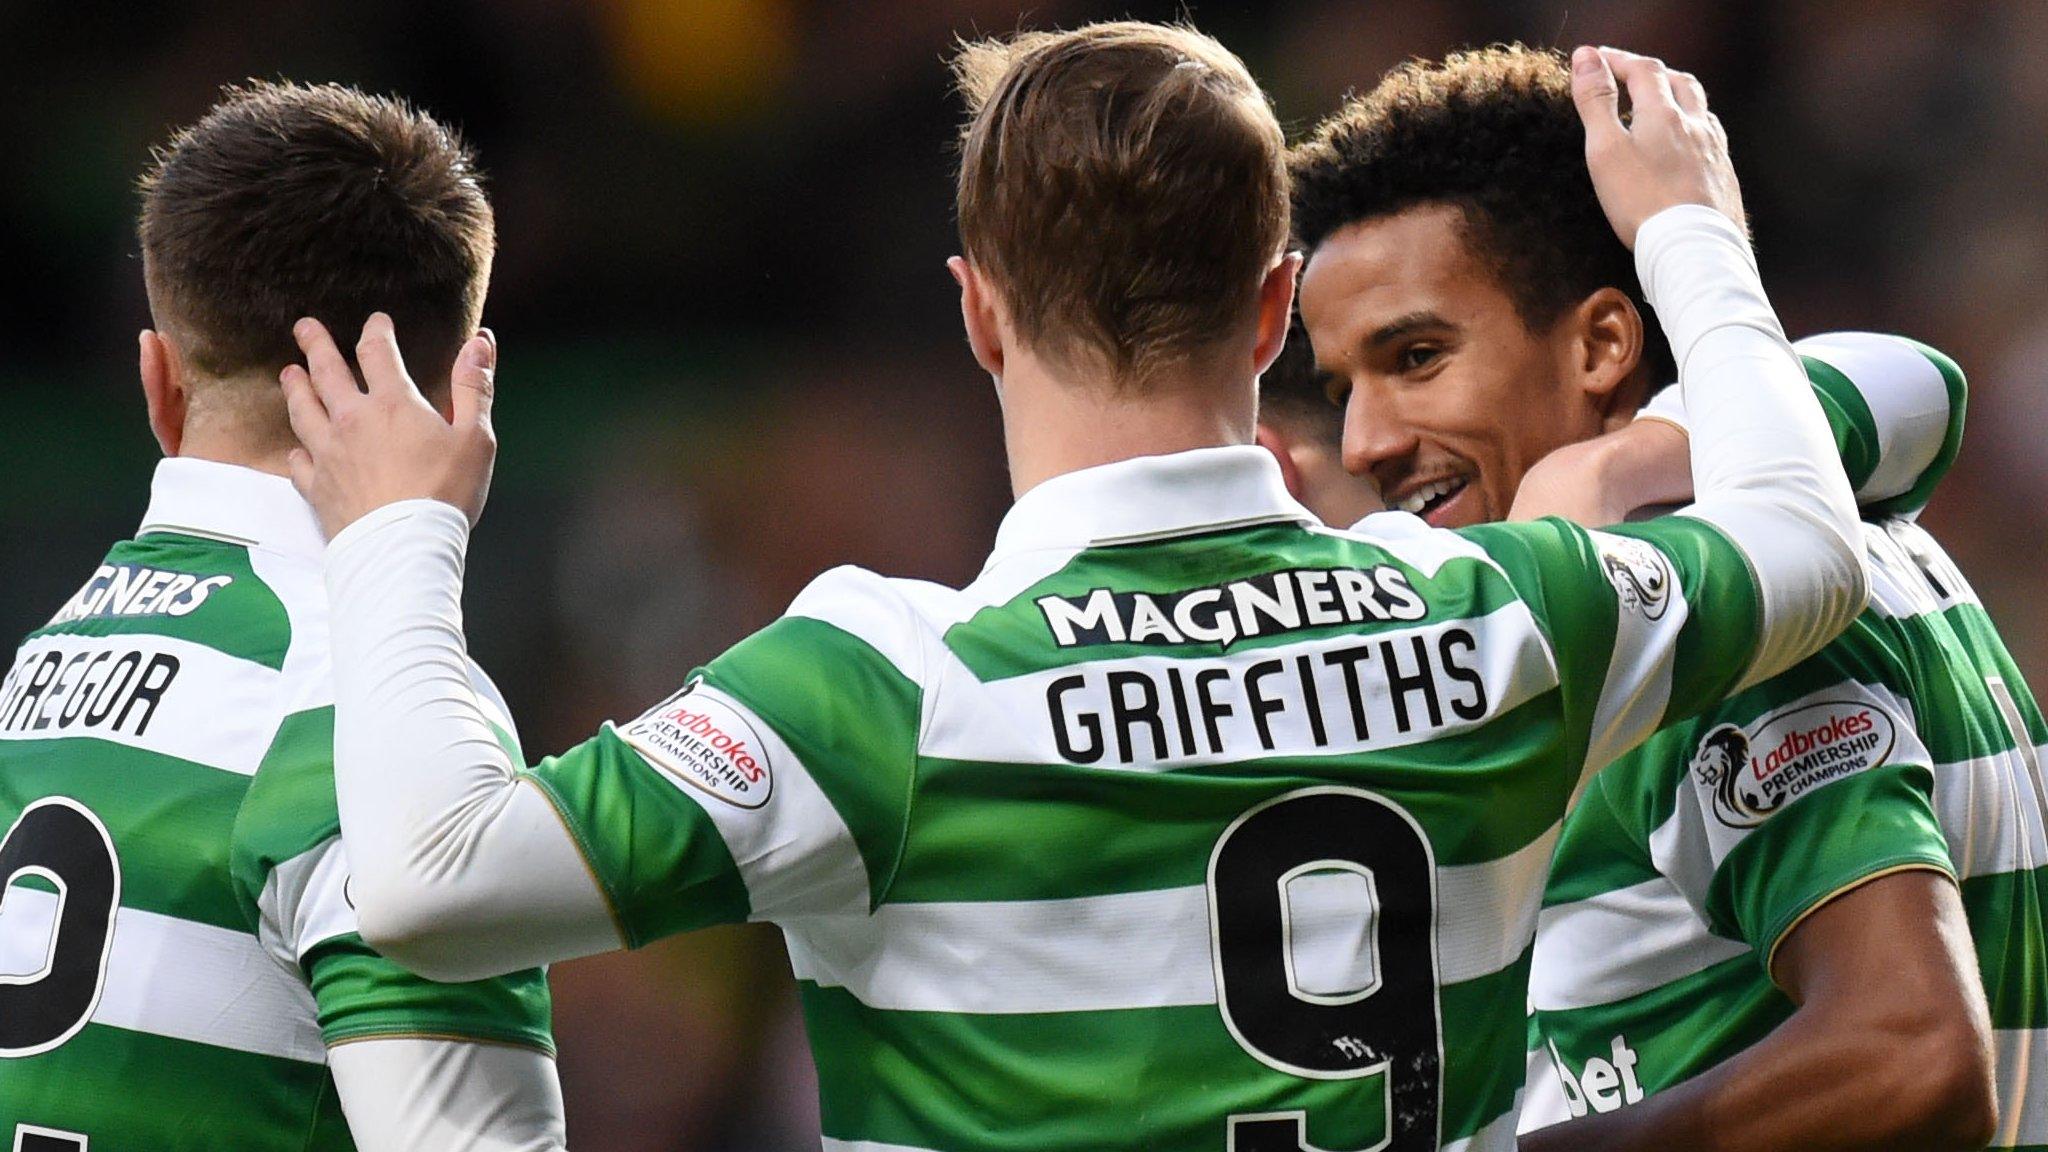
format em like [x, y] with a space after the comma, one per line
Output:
[460, 872]
[1763, 459]
[1765, 568]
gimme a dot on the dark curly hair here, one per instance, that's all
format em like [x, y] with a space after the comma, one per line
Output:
[1494, 132]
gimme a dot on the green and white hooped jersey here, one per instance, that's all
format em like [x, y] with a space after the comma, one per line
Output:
[177, 949]
[1190, 824]
[1910, 742]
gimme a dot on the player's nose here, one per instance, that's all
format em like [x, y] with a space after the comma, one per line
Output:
[1374, 436]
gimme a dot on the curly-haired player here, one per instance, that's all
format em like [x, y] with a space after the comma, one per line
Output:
[1707, 970]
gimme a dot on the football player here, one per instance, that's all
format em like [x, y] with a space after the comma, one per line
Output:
[181, 968]
[1721, 907]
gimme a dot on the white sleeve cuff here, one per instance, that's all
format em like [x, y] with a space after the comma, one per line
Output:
[1699, 273]
[1667, 405]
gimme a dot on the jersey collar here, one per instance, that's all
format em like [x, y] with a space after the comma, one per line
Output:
[232, 504]
[1151, 498]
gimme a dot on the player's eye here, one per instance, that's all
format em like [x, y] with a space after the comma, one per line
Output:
[1336, 389]
[1416, 357]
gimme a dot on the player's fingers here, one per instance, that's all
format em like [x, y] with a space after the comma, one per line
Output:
[1648, 83]
[1597, 97]
[1621, 59]
[310, 421]
[327, 368]
[383, 366]
[1646, 79]
[1689, 92]
[474, 382]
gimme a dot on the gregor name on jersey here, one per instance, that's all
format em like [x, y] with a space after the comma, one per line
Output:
[52, 688]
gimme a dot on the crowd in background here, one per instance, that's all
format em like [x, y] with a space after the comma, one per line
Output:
[731, 354]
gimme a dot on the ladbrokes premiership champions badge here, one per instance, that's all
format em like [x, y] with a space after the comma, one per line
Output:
[1755, 771]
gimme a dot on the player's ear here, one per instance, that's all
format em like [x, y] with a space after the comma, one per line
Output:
[978, 316]
[1275, 441]
[163, 389]
[1276, 307]
[1604, 347]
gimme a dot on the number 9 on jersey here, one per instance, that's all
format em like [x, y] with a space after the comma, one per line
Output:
[1322, 928]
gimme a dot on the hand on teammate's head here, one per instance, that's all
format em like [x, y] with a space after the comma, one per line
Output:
[1672, 149]
[381, 442]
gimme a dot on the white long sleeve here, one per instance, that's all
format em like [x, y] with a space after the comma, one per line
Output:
[426, 1095]
[1765, 468]
[461, 871]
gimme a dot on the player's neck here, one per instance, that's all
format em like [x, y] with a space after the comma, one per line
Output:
[1052, 426]
[238, 419]
[225, 447]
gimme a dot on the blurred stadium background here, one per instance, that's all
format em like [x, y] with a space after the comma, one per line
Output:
[732, 356]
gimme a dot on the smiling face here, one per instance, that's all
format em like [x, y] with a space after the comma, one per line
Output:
[1449, 395]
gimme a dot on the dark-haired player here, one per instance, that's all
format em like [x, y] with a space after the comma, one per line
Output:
[1753, 936]
[1305, 434]
[1191, 823]
[180, 965]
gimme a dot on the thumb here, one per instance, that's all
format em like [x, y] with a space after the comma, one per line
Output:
[474, 382]
[1598, 100]
[300, 462]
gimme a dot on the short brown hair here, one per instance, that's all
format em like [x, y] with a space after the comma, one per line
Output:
[1492, 131]
[288, 200]
[1124, 186]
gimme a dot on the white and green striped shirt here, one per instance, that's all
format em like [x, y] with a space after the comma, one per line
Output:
[1189, 820]
[1911, 741]
[177, 950]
